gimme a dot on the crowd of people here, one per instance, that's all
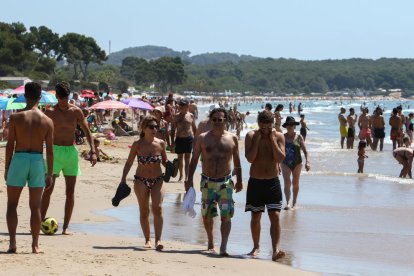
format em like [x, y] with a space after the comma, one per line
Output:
[372, 132]
[170, 127]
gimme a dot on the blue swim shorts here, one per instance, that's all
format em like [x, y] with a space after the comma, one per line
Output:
[26, 167]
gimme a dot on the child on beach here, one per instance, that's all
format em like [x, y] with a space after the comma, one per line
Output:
[101, 155]
[361, 155]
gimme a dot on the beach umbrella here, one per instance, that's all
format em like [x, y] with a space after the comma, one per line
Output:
[11, 105]
[88, 94]
[45, 99]
[3, 103]
[139, 104]
[111, 104]
[18, 90]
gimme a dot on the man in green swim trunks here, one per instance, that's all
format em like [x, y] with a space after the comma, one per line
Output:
[218, 147]
[29, 128]
[65, 118]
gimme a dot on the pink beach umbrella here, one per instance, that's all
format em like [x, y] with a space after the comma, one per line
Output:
[18, 90]
[110, 105]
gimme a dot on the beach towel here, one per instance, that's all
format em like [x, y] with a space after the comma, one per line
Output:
[188, 203]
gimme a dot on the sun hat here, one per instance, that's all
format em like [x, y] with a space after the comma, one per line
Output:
[290, 119]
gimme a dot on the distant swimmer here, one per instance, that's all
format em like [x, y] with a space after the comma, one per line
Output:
[343, 129]
[396, 125]
[303, 127]
[378, 125]
[364, 124]
[351, 119]
[278, 117]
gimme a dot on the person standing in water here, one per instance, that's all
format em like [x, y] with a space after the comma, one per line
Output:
[343, 130]
[265, 150]
[292, 164]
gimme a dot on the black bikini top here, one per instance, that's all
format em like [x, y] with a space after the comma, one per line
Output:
[152, 159]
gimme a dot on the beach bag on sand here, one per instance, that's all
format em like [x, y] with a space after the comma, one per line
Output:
[188, 203]
[122, 192]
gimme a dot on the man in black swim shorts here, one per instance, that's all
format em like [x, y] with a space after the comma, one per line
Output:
[183, 129]
[265, 149]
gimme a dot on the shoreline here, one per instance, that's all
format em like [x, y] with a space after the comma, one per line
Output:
[97, 254]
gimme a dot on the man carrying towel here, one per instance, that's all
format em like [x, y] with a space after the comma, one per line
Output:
[218, 148]
[29, 128]
[65, 118]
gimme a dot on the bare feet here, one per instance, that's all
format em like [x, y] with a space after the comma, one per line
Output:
[12, 250]
[148, 244]
[159, 246]
[224, 254]
[67, 232]
[277, 255]
[294, 207]
[36, 250]
[287, 208]
[254, 252]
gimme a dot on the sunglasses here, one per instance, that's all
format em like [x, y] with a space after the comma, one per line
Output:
[153, 126]
[218, 120]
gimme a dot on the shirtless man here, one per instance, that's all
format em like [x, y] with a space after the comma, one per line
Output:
[218, 148]
[29, 128]
[364, 124]
[396, 125]
[343, 130]
[193, 109]
[184, 128]
[65, 118]
[351, 119]
[378, 124]
[265, 149]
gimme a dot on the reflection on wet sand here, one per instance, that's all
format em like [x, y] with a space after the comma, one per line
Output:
[343, 225]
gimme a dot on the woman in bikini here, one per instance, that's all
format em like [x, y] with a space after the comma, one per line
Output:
[150, 153]
[292, 165]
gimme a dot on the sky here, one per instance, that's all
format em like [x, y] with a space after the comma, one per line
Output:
[301, 29]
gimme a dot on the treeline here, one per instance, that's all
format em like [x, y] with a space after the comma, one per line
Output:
[295, 76]
[40, 54]
[150, 52]
[35, 52]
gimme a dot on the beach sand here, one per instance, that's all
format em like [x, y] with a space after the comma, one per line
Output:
[96, 254]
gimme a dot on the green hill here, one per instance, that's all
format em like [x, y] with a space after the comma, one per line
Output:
[155, 52]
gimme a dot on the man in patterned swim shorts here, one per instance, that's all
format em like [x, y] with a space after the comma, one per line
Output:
[218, 148]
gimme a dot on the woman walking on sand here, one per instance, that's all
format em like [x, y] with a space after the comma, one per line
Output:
[292, 165]
[150, 153]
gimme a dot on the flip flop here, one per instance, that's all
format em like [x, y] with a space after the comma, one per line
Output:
[122, 192]
[169, 170]
[175, 163]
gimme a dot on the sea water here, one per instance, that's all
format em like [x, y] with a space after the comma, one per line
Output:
[345, 224]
